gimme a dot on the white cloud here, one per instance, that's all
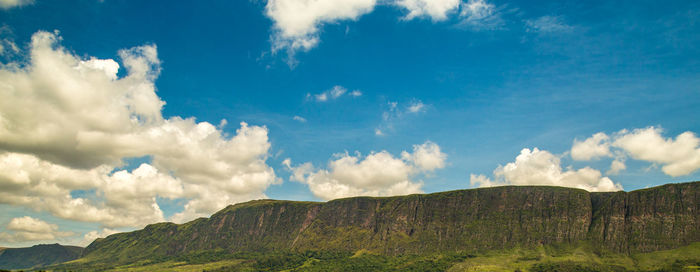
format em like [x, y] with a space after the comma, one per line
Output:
[30, 229]
[617, 166]
[394, 113]
[8, 4]
[416, 106]
[594, 147]
[30, 224]
[426, 156]
[680, 156]
[437, 10]
[337, 91]
[297, 23]
[334, 93]
[8, 47]
[299, 118]
[377, 174]
[547, 24]
[480, 15]
[539, 167]
[85, 121]
[91, 236]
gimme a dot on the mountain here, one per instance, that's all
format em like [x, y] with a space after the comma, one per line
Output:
[37, 256]
[498, 219]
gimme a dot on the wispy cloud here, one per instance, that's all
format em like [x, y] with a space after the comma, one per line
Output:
[8, 4]
[416, 107]
[547, 24]
[480, 15]
[436, 10]
[332, 94]
[299, 118]
[395, 112]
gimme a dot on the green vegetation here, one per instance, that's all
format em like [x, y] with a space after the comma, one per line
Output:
[282, 261]
[544, 258]
[37, 256]
[582, 258]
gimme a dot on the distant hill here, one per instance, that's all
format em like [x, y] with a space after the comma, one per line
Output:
[37, 256]
[475, 220]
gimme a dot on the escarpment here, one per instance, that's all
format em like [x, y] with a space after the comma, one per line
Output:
[645, 220]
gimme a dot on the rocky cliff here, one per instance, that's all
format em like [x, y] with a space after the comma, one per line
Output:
[646, 220]
[478, 219]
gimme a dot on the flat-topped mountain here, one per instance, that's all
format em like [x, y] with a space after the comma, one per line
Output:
[657, 218]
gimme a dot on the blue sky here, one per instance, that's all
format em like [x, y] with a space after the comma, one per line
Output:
[462, 87]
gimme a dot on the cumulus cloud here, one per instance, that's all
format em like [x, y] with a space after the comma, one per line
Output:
[437, 10]
[8, 4]
[617, 166]
[333, 93]
[678, 157]
[297, 23]
[427, 156]
[547, 24]
[27, 228]
[377, 174]
[91, 236]
[30, 224]
[480, 15]
[68, 123]
[539, 167]
[594, 147]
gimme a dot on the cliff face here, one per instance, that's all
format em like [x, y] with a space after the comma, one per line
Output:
[468, 219]
[489, 218]
[646, 220]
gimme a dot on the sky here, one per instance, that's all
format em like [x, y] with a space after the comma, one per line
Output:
[118, 114]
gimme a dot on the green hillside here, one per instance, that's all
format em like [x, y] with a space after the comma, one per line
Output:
[37, 256]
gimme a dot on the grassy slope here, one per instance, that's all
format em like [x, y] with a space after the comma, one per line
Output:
[679, 259]
[545, 258]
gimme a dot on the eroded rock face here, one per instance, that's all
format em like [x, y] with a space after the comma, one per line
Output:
[467, 219]
[647, 220]
[490, 218]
